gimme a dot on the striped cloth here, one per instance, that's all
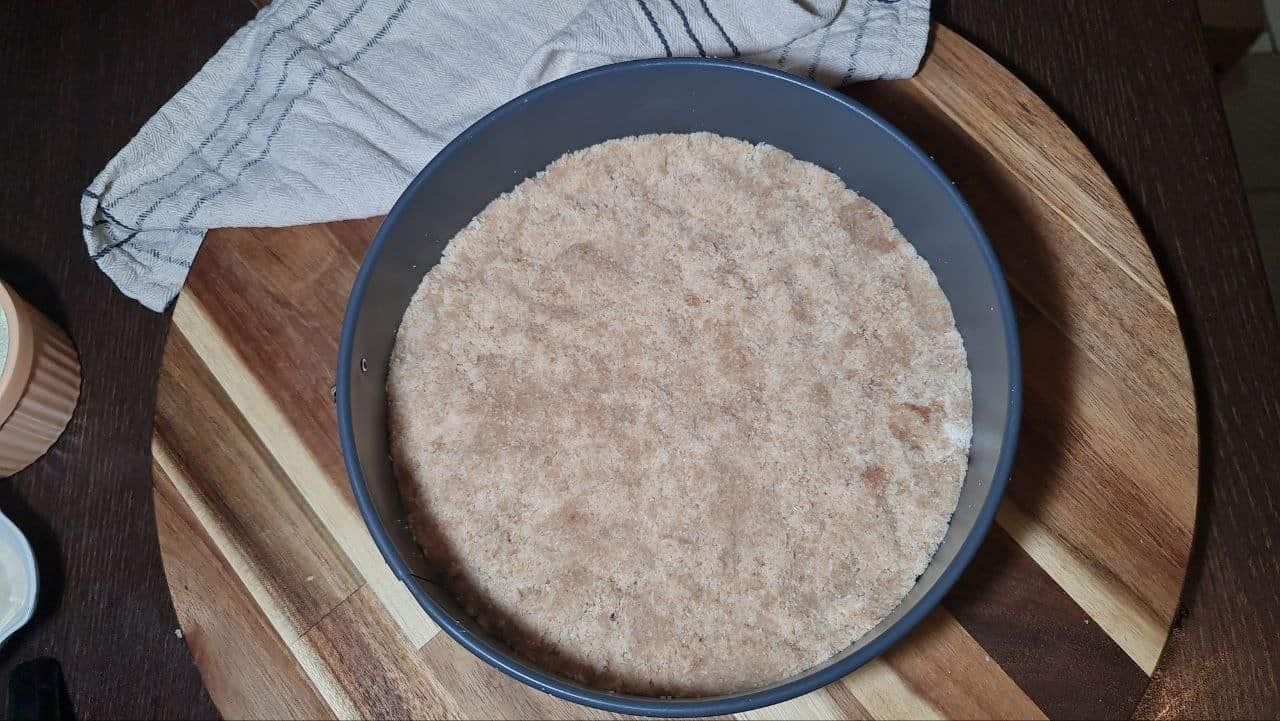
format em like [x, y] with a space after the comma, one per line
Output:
[323, 110]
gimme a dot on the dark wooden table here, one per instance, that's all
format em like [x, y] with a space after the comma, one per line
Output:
[1129, 76]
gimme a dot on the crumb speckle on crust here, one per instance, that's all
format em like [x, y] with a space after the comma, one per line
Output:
[680, 416]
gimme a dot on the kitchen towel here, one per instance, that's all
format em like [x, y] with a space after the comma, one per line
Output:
[323, 110]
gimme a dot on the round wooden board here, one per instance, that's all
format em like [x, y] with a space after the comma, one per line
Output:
[290, 612]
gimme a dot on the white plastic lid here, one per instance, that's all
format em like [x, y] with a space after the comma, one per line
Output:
[18, 579]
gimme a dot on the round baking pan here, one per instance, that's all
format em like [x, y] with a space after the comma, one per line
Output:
[733, 99]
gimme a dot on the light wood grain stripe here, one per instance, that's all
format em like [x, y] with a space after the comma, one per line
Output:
[326, 681]
[243, 495]
[1129, 621]
[263, 600]
[240, 563]
[818, 706]
[334, 508]
[223, 625]
[886, 695]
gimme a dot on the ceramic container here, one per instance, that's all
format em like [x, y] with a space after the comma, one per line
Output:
[39, 385]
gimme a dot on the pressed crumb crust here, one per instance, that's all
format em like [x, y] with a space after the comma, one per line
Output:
[680, 415]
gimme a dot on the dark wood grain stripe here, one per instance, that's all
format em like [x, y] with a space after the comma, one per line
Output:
[1111, 482]
[1046, 643]
[300, 570]
[218, 615]
[482, 691]
[326, 495]
[278, 296]
[848, 703]
[950, 670]
[376, 673]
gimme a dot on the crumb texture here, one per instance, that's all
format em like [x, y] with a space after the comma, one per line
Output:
[680, 416]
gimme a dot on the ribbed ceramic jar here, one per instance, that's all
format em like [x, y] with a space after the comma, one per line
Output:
[40, 383]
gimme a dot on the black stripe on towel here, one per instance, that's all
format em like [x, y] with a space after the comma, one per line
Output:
[654, 24]
[732, 46]
[688, 29]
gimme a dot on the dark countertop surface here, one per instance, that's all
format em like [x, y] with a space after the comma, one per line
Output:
[1128, 76]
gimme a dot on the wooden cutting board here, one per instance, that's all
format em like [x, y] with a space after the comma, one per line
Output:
[290, 612]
